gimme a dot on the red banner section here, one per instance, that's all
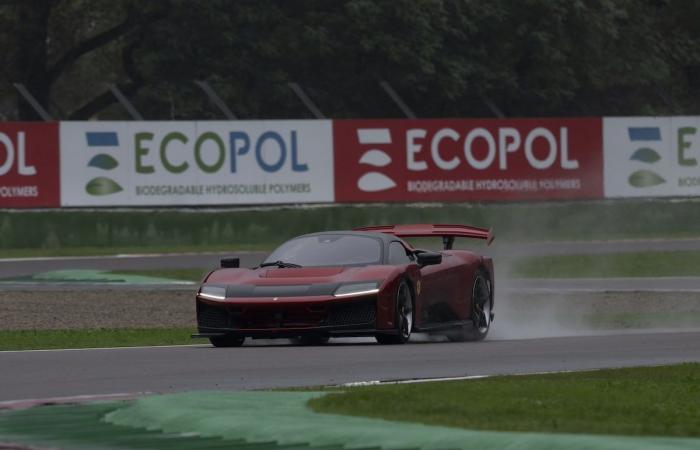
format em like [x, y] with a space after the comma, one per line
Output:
[463, 159]
[29, 171]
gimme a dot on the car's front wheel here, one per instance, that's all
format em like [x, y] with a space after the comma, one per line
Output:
[404, 317]
[481, 311]
[227, 341]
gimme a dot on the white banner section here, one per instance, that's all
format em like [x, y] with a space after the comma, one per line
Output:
[651, 156]
[196, 163]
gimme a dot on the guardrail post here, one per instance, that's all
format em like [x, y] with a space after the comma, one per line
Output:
[492, 106]
[133, 112]
[397, 99]
[215, 99]
[45, 116]
[306, 100]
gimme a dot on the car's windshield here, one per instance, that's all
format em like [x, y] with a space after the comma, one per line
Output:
[329, 250]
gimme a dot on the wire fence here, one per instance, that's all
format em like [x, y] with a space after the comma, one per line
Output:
[215, 100]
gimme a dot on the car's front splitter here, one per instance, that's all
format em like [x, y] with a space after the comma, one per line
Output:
[357, 330]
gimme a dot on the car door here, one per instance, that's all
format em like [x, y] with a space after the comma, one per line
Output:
[437, 289]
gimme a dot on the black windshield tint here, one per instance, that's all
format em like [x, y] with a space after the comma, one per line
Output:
[329, 250]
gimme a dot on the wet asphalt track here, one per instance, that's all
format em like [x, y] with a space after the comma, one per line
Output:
[665, 284]
[42, 374]
[27, 266]
[23, 266]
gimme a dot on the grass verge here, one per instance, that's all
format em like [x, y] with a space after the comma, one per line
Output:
[191, 274]
[128, 250]
[644, 264]
[638, 320]
[93, 338]
[646, 401]
[74, 232]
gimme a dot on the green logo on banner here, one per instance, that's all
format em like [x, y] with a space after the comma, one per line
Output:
[103, 161]
[102, 140]
[646, 155]
[645, 178]
[102, 186]
[645, 136]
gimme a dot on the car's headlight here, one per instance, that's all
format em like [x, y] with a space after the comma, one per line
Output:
[354, 289]
[212, 292]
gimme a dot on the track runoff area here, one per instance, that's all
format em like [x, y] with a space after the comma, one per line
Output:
[136, 386]
[204, 397]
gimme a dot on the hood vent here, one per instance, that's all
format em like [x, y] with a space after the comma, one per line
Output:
[297, 290]
[302, 272]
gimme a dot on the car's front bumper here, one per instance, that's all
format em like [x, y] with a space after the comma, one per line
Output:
[287, 317]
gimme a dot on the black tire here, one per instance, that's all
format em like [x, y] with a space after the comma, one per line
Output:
[227, 341]
[311, 339]
[404, 317]
[482, 305]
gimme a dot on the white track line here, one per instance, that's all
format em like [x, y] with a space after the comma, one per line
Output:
[412, 381]
[466, 377]
[123, 256]
[100, 348]
[602, 289]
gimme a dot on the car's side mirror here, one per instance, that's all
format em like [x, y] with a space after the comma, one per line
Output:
[230, 263]
[428, 258]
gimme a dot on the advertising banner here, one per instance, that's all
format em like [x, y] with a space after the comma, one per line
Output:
[196, 163]
[465, 159]
[652, 156]
[29, 165]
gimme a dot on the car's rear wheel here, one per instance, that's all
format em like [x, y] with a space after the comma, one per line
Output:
[404, 317]
[227, 341]
[481, 311]
[311, 339]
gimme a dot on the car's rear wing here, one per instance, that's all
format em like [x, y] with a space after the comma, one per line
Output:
[447, 232]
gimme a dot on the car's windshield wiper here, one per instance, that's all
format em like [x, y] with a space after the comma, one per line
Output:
[280, 264]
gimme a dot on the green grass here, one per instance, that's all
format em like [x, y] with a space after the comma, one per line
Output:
[71, 232]
[193, 274]
[638, 401]
[626, 320]
[127, 337]
[108, 251]
[644, 264]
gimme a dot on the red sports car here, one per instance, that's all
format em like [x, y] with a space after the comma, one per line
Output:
[364, 282]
